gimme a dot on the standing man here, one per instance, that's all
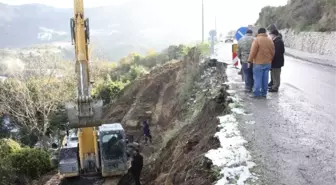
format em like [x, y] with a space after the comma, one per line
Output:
[271, 28]
[244, 48]
[136, 167]
[261, 55]
[278, 60]
[146, 131]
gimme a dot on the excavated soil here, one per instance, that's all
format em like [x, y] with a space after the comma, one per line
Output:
[189, 124]
[182, 161]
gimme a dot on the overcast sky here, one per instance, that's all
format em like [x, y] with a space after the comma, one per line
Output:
[229, 13]
[256, 4]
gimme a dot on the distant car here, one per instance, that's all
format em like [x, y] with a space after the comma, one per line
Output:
[228, 39]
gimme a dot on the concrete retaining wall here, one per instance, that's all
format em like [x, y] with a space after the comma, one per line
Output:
[317, 47]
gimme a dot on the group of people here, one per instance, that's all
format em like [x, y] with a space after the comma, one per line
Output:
[258, 56]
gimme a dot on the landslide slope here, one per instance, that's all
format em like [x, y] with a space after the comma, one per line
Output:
[181, 100]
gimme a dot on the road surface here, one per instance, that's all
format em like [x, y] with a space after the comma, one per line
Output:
[292, 133]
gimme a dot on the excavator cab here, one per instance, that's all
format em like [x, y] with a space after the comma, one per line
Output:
[113, 150]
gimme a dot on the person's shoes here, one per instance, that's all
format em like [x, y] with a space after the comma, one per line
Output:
[273, 90]
[256, 97]
[248, 90]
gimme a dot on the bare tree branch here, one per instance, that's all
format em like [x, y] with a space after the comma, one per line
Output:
[34, 94]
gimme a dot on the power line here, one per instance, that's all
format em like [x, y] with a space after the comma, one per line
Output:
[202, 21]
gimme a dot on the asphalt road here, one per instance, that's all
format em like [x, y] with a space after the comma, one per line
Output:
[292, 133]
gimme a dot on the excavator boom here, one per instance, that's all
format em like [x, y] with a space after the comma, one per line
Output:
[85, 112]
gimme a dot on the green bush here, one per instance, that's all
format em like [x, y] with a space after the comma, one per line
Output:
[30, 162]
[107, 90]
[6, 172]
[8, 146]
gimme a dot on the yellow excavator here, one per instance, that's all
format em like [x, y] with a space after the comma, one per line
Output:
[90, 146]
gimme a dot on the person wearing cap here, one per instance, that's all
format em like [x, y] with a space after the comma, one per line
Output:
[261, 55]
[271, 28]
[278, 60]
[243, 51]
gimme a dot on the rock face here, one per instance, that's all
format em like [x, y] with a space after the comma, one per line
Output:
[316, 47]
[323, 43]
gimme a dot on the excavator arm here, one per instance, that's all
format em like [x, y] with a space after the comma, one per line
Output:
[85, 113]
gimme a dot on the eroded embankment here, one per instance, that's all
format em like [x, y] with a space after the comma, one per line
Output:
[183, 103]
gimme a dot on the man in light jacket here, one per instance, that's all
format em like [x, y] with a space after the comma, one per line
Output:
[261, 55]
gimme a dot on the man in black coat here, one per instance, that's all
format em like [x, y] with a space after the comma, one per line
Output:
[278, 60]
[137, 164]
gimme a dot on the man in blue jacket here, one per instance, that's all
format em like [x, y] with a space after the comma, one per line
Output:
[146, 131]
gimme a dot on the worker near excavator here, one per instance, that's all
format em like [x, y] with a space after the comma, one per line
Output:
[147, 132]
[137, 165]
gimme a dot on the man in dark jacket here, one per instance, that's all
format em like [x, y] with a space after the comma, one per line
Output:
[137, 164]
[146, 131]
[271, 28]
[278, 60]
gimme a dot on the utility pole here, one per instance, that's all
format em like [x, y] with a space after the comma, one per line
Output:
[202, 21]
[216, 23]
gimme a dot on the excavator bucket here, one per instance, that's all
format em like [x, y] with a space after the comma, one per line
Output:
[92, 117]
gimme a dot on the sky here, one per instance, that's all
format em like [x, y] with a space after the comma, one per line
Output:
[92, 3]
[228, 13]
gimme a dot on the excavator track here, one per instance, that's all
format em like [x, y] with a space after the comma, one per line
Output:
[56, 180]
[111, 181]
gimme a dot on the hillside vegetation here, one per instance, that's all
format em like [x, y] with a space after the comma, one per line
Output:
[301, 15]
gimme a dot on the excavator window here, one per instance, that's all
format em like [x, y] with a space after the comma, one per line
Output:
[68, 153]
[113, 146]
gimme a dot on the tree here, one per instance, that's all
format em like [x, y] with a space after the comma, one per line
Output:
[108, 89]
[31, 97]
